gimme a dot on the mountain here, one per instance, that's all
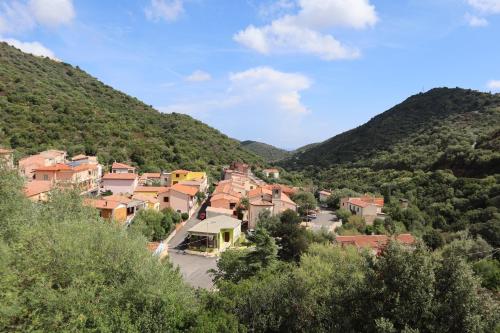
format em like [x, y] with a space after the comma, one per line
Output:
[442, 128]
[266, 151]
[48, 104]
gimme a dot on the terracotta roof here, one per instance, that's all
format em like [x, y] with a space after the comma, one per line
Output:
[259, 191]
[286, 198]
[373, 241]
[102, 203]
[119, 198]
[146, 198]
[260, 202]
[51, 153]
[358, 202]
[285, 189]
[325, 192]
[271, 170]
[79, 157]
[35, 187]
[127, 176]
[5, 151]
[181, 171]
[148, 175]
[225, 196]
[157, 189]
[56, 167]
[117, 165]
[184, 189]
[82, 167]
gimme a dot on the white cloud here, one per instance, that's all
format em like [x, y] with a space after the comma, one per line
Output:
[17, 16]
[302, 32]
[494, 85]
[486, 6]
[198, 76]
[52, 13]
[475, 21]
[34, 48]
[277, 89]
[265, 88]
[168, 10]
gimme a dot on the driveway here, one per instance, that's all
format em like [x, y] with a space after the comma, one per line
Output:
[192, 267]
[326, 219]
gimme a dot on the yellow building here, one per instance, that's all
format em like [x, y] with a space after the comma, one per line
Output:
[178, 176]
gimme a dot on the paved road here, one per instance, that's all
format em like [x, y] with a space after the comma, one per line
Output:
[193, 268]
[326, 219]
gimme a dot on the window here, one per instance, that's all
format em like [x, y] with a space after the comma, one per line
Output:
[165, 199]
[177, 175]
[232, 205]
[227, 236]
[45, 177]
[175, 182]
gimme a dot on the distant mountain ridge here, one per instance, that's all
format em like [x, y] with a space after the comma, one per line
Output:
[48, 104]
[429, 130]
[266, 151]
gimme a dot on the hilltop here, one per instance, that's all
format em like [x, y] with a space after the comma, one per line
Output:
[266, 151]
[442, 128]
[48, 104]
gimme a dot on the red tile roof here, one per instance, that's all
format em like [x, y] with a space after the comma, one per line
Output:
[184, 189]
[158, 189]
[123, 176]
[56, 167]
[79, 157]
[117, 165]
[35, 187]
[181, 171]
[373, 241]
[102, 203]
[83, 167]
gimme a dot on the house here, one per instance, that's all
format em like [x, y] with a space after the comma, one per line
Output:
[159, 194]
[271, 173]
[83, 160]
[109, 209]
[133, 205]
[6, 158]
[150, 178]
[151, 201]
[38, 190]
[196, 179]
[182, 199]
[324, 195]
[122, 168]
[119, 183]
[84, 177]
[376, 243]
[213, 211]
[214, 234]
[272, 200]
[227, 201]
[241, 167]
[28, 164]
[368, 207]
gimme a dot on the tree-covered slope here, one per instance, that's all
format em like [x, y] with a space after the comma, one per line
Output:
[266, 151]
[442, 128]
[48, 104]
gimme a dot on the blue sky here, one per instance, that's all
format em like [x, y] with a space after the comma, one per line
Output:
[285, 72]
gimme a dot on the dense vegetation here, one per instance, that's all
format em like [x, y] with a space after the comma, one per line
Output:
[267, 152]
[62, 268]
[439, 150]
[48, 104]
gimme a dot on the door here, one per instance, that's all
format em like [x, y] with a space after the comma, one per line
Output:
[227, 236]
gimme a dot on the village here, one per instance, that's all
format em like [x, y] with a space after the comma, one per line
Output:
[212, 215]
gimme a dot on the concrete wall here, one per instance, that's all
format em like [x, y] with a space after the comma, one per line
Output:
[118, 186]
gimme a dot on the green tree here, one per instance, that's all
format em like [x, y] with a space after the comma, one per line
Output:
[149, 222]
[343, 214]
[305, 201]
[489, 271]
[433, 239]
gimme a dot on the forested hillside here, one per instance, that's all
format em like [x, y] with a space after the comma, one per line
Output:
[439, 150]
[443, 128]
[48, 104]
[266, 151]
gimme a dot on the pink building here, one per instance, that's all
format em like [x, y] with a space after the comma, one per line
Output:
[273, 200]
[120, 183]
[182, 199]
[85, 177]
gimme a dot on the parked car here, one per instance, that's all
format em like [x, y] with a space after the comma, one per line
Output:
[312, 215]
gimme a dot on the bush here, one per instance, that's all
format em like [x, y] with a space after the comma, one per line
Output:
[185, 216]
